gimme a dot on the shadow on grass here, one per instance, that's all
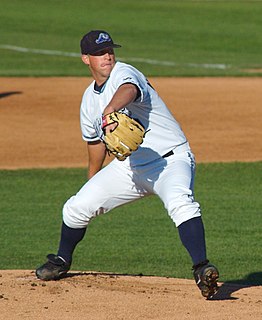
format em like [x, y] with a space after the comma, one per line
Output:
[229, 287]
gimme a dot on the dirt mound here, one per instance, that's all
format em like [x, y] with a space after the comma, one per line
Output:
[97, 296]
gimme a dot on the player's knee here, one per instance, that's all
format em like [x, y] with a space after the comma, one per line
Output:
[182, 210]
[74, 215]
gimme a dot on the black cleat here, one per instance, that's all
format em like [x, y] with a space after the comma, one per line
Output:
[53, 269]
[206, 276]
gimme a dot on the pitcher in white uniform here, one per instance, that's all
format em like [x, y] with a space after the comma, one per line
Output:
[163, 165]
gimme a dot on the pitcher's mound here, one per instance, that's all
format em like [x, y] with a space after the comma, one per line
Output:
[100, 296]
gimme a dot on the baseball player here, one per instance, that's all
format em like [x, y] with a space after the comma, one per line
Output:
[162, 165]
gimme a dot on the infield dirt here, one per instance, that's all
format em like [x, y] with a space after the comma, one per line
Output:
[40, 128]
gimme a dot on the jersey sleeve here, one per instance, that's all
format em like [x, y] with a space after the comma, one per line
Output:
[88, 132]
[128, 74]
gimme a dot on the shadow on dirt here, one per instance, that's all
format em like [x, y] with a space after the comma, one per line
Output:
[227, 288]
[100, 274]
[10, 93]
[225, 291]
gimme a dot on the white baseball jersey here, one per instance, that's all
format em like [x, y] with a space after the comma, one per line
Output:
[163, 131]
[146, 171]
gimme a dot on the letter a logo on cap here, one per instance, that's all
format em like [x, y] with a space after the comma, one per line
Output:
[103, 37]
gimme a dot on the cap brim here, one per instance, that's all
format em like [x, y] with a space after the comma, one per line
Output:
[116, 45]
[105, 47]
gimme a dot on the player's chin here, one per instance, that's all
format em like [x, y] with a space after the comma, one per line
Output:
[106, 71]
[107, 68]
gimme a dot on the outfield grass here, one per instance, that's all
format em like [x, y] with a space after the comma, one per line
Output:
[139, 237]
[183, 38]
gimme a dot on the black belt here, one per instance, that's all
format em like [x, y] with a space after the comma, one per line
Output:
[170, 153]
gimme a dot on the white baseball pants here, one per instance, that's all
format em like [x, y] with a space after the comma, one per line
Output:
[171, 178]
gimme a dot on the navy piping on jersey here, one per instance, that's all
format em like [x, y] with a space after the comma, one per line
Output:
[91, 139]
[99, 89]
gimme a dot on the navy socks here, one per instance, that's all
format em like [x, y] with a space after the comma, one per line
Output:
[192, 235]
[69, 239]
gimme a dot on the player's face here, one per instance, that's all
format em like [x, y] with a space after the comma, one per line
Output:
[100, 64]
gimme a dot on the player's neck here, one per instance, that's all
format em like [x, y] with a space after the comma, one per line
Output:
[99, 88]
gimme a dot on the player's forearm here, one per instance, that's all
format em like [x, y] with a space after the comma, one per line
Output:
[96, 157]
[92, 170]
[95, 166]
[125, 94]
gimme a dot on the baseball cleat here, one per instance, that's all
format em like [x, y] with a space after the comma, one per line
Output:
[53, 269]
[206, 276]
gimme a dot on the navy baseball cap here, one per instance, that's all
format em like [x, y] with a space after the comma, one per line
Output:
[96, 40]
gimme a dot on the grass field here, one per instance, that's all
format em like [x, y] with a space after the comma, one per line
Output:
[162, 38]
[140, 237]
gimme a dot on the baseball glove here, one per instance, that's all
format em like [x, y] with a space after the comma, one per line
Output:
[125, 138]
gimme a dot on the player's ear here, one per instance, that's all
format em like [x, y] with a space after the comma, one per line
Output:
[85, 59]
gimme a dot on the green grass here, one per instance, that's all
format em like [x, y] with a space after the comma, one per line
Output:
[189, 34]
[139, 237]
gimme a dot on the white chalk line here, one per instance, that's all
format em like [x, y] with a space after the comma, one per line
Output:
[149, 61]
